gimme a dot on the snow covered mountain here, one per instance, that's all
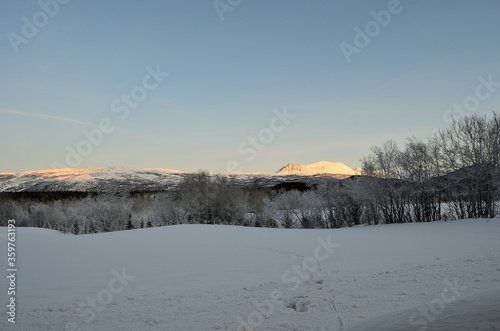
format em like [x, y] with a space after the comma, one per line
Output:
[90, 179]
[111, 179]
[114, 179]
[317, 168]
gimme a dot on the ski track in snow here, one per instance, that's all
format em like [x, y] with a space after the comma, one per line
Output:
[191, 292]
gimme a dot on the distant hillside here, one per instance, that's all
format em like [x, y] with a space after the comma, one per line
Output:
[112, 179]
[316, 169]
[90, 179]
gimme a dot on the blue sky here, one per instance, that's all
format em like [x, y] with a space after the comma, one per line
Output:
[228, 78]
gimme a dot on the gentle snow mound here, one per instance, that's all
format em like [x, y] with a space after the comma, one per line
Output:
[211, 277]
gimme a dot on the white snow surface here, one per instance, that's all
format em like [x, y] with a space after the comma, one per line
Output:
[209, 277]
[323, 167]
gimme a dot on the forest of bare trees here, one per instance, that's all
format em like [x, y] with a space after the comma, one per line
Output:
[458, 168]
[452, 175]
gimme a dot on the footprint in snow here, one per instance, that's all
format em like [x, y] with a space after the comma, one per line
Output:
[297, 305]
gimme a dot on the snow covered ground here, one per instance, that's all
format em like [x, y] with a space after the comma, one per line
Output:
[434, 276]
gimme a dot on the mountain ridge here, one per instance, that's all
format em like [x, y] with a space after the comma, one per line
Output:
[153, 179]
[323, 167]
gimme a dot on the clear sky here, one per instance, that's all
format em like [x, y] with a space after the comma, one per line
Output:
[89, 66]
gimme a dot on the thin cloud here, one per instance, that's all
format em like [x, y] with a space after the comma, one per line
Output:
[48, 117]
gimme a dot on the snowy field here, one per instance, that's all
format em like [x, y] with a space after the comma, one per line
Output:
[432, 276]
